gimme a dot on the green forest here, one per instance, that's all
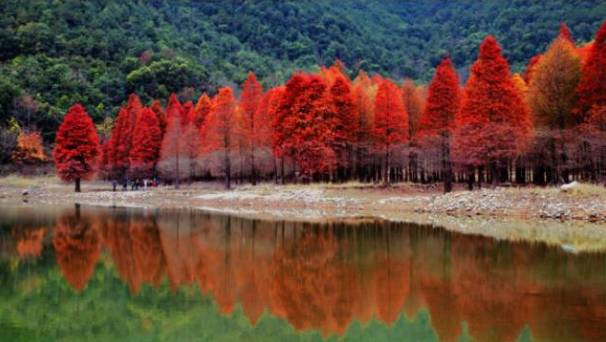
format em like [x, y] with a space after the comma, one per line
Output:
[58, 52]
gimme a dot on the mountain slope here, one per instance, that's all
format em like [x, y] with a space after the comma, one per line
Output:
[54, 53]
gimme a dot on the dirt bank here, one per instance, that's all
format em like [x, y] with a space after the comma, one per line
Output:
[574, 218]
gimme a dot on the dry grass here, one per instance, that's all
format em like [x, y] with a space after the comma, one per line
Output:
[580, 190]
[19, 181]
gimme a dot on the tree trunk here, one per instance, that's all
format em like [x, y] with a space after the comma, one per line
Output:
[282, 170]
[386, 171]
[446, 165]
[253, 171]
[470, 179]
[77, 185]
[177, 175]
[227, 170]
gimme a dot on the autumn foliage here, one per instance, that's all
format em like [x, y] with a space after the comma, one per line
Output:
[543, 125]
[147, 136]
[316, 281]
[29, 149]
[494, 124]
[76, 147]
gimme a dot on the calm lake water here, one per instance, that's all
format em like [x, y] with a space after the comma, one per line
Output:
[126, 274]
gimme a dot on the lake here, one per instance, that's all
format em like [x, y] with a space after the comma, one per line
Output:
[130, 274]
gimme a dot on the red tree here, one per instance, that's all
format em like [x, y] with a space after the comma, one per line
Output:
[187, 113]
[266, 111]
[312, 133]
[363, 95]
[218, 131]
[283, 122]
[252, 92]
[565, 33]
[391, 121]
[201, 110]
[342, 120]
[156, 107]
[122, 135]
[76, 146]
[494, 124]
[592, 87]
[174, 108]
[438, 119]
[147, 138]
[172, 151]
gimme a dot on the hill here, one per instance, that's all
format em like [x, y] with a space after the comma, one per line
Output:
[55, 53]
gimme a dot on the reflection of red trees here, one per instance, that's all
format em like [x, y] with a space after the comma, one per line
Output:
[77, 246]
[312, 286]
[324, 277]
[136, 250]
[29, 243]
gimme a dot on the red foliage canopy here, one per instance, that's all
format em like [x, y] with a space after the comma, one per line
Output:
[284, 120]
[342, 121]
[120, 143]
[494, 122]
[76, 146]
[201, 110]
[443, 102]
[156, 107]
[147, 137]
[592, 87]
[391, 119]
[266, 111]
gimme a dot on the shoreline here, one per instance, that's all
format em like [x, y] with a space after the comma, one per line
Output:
[574, 219]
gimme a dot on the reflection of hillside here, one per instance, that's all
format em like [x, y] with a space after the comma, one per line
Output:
[323, 277]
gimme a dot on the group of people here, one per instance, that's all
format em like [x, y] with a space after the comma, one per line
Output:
[135, 184]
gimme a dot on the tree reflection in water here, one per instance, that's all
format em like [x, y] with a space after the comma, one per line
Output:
[324, 277]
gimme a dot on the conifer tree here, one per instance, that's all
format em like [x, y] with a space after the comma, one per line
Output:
[441, 109]
[76, 147]
[342, 122]
[494, 124]
[201, 110]
[391, 122]
[592, 87]
[252, 92]
[147, 138]
[218, 132]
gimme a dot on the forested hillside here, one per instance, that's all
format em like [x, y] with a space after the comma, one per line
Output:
[56, 53]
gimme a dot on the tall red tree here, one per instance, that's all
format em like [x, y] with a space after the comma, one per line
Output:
[363, 93]
[266, 111]
[391, 122]
[252, 92]
[172, 151]
[201, 110]
[174, 108]
[218, 131]
[312, 134]
[76, 147]
[414, 105]
[284, 121]
[187, 113]
[438, 120]
[122, 135]
[147, 138]
[342, 121]
[156, 107]
[494, 125]
[592, 87]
